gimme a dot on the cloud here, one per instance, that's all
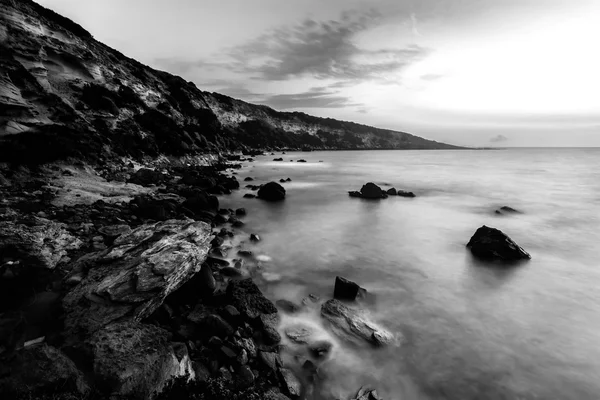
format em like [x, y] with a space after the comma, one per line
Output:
[414, 21]
[498, 139]
[316, 97]
[431, 77]
[322, 50]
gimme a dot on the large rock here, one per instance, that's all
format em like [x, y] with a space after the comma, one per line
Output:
[291, 384]
[136, 360]
[248, 299]
[352, 325]
[347, 290]
[492, 244]
[146, 177]
[271, 191]
[132, 278]
[372, 191]
[41, 245]
[42, 370]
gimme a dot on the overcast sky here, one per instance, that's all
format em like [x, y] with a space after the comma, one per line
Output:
[472, 72]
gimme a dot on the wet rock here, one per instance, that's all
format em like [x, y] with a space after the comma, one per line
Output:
[249, 196]
[404, 193]
[228, 354]
[217, 241]
[301, 160]
[351, 325]
[202, 373]
[254, 237]
[269, 324]
[347, 290]
[288, 180]
[290, 383]
[231, 315]
[298, 334]
[354, 194]
[278, 159]
[248, 299]
[282, 180]
[288, 306]
[246, 377]
[230, 272]
[372, 191]
[248, 179]
[146, 177]
[217, 326]
[271, 360]
[221, 219]
[133, 277]
[274, 394]
[492, 244]
[507, 210]
[271, 191]
[242, 358]
[248, 345]
[206, 280]
[134, 359]
[236, 223]
[240, 211]
[42, 370]
[392, 192]
[245, 253]
[40, 245]
[320, 348]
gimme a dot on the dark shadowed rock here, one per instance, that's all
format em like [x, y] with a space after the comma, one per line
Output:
[248, 299]
[291, 384]
[507, 210]
[269, 323]
[254, 237]
[288, 306]
[301, 160]
[278, 159]
[404, 193]
[492, 244]
[206, 280]
[249, 196]
[320, 349]
[146, 177]
[217, 326]
[354, 193]
[240, 211]
[350, 324]
[271, 191]
[347, 290]
[392, 192]
[372, 191]
[248, 179]
[271, 360]
[111, 232]
[246, 377]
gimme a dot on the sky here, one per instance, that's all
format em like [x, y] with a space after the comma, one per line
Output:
[467, 72]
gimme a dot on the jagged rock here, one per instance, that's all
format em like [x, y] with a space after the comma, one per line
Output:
[42, 370]
[351, 325]
[271, 191]
[132, 278]
[287, 306]
[493, 244]
[290, 383]
[248, 345]
[347, 290]
[404, 193]
[248, 299]
[41, 245]
[135, 359]
[146, 177]
[372, 191]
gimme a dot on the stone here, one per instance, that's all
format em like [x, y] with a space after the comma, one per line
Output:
[133, 277]
[231, 315]
[278, 159]
[320, 348]
[202, 373]
[231, 272]
[248, 299]
[392, 192]
[206, 280]
[288, 306]
[135, 359]
[254, 237]
[112, 232]
[269, 324]
[354, 194]
[40, 245]
[371, 191]
[245, 253]
[248, 345]
[298, 334]
[492, 244]
[271, 360]
[246, 377]
[249, 196]
[248, 179]
[228, 353]
[217, 326]
[507, 210]
[301, 160]
[352, 325]
[146, 177]
[404, 193]
[240, 211]
[347, 290]
[242, 358]
[215, 342]
[271, 191]
[290, 383]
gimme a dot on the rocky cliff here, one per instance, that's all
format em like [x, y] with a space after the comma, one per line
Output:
[64, 94]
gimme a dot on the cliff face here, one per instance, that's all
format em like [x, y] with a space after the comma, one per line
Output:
[64, 94]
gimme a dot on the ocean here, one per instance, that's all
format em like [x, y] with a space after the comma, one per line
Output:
[466, 329]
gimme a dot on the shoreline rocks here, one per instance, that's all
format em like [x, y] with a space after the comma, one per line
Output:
[493, 244]
[271, 191]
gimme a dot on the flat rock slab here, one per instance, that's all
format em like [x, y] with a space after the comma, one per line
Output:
[132, 278]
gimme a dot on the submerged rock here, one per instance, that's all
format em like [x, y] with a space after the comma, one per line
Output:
[347, 290]
[351, 325]
[492, 244]
[372, 191]
[507, 210]
[271, 191]
[404, 193]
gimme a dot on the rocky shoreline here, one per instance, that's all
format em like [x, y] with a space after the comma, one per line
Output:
[115, 284]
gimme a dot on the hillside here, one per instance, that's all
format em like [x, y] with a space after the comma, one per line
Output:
[64, 94]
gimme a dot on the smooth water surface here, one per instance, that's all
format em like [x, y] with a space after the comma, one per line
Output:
[468, 330]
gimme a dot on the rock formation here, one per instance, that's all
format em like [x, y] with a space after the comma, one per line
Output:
[492, 244]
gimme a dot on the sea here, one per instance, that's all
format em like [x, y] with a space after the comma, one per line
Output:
[464, 329]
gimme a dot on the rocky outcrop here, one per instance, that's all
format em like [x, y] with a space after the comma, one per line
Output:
[271, 191]
[133, 277]
[347, 290]
[372, 191]
[493, 244]
[41, 244]
[351, 325]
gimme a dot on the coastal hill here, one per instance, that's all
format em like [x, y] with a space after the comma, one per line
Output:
[64, 94]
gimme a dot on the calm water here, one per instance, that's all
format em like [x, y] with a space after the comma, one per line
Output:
[469, 331]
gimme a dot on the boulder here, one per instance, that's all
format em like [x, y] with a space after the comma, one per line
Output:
[40, 245]
[299, 333]
[404, 193]
[351, 325]
[248, 299]
[254, 237]
[240, 211]
[288, 306]
[507, 210]
[271, 360]
[372, 191]
[206, 280]
[213, 325]
[248, 179]
[347, 290]
[392, 192]
[278, 159]
[492, 244]
[136, 360]
[320, 348]
[146, 177]
[249, 196]
[269, 323]
[291, 385]
[132, 278]
[271, 191]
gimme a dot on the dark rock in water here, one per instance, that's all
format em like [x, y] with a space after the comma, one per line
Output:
[351, 325]
[288, 180]
[320, 349]
[254, 237]
[291, 384]
[240, 211]
[282, 180]
[202, 203]
[392, 191]
[245, 253]
[347, 290]
[42, 371]
[236, 223]
[299, 333]
[278, 159]
[217, 326]
[492, 244]
[248, 299]
[221, 219]
[248, 179]
[354, 194]
[507, 210]
[301, 160]
[404, 193]
[249, 196]
[287, 306]
[372, 191]
[271, 191]
[269, 325]
[217, 261]
[147, 177]
[217, 241]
